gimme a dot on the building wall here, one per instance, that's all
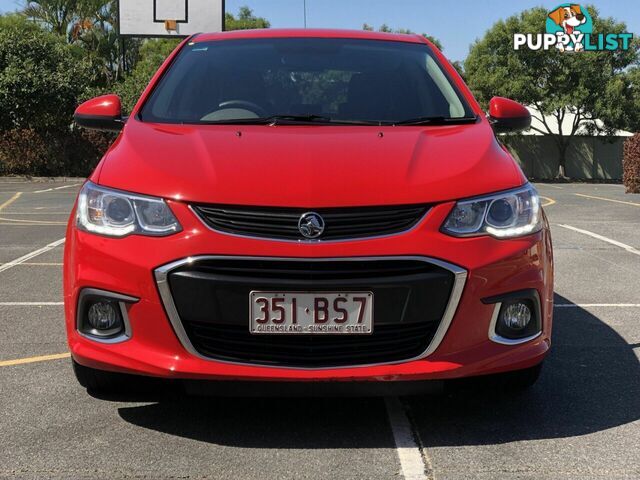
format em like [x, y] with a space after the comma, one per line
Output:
[588, 158]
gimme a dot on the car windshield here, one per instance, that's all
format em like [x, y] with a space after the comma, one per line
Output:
[310, 80]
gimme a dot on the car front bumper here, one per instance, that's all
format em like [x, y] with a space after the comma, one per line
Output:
[484, 267]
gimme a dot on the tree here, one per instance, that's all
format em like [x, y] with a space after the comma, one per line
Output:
[245, 20]
[153, 52]
[632, 79]
[586, 86]
[54, 14]
[41, 77]
[387, 29]
[91, 25]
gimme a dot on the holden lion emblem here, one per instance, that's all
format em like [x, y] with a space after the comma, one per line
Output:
[311, 225]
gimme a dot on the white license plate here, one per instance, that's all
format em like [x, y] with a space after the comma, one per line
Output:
[320, 313]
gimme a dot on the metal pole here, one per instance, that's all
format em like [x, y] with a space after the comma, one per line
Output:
[305, 13]
[224, 16]
[124, 56]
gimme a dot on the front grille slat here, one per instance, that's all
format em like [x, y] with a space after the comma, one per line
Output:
[340, 223]
[211, 297]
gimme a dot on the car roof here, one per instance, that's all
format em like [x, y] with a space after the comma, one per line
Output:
[308, 33]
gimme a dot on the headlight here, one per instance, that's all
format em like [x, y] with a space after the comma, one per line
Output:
[117, 214]
[504, 215]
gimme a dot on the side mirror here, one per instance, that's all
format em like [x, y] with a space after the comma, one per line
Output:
[100, 113]
[505, 115]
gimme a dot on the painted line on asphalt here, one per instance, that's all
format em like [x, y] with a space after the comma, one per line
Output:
[31, 222]
[551, 186]
[57, 188]
[42, 358]
[585, 305]
[37, 264]
[29, 256]
[35, 213]
[11, 224]
[608, 199]
[550, 201]
[10, 201]
[30, 304]
[624, 246]
[413, 461]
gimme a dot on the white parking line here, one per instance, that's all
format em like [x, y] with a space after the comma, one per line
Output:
[31, 255]
[38, 264]
[30, 304]
[412, 463]
[583, 305]
[626, 247]
[57, 188]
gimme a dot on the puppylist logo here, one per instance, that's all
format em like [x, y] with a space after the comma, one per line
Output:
[569, 28]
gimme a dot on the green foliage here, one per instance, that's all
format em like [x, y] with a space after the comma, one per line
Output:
[41, 81]
[55, 15]
[590, 85]
[387, 29]
[245, 20]
[153, 52]
[41, 78]
[632, 81]
[90, 24]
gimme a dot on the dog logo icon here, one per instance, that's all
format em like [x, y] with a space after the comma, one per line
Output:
[570, 22]
[569, 28]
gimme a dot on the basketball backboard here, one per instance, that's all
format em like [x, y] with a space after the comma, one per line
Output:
[169, 18]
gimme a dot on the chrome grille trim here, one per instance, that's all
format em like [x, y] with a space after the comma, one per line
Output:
[161, 275]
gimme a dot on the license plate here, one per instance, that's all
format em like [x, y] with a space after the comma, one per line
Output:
[306, 313]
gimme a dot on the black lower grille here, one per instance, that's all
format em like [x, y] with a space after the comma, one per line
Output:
[212, 299]
[282, 223]
[386, 344]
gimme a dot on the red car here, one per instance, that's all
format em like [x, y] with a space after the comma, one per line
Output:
[312, 207]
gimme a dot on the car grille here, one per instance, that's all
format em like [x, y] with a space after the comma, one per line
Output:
[387, 343]
[211, 298]
[282, 223]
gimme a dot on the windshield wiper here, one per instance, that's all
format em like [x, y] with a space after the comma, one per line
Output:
[439, 120]
[287, 119]
[311, 118]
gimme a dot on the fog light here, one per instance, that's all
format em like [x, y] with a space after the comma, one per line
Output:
[104, 316]
[516, 316]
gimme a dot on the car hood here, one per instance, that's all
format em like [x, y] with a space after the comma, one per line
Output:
[308, 166]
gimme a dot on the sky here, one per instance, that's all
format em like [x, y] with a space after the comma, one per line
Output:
[456, 24]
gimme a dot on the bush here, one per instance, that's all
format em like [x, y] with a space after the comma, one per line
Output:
[631, 164]
[41, 78]
[33, 153]
[23, 152]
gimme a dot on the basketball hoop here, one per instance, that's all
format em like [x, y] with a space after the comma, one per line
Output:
[169, 18]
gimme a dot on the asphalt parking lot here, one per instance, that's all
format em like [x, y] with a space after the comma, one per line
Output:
[581, 420]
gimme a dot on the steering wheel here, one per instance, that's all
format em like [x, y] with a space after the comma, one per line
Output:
[245, 105]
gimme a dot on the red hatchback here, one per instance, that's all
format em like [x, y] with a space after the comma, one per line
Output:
[307, 206]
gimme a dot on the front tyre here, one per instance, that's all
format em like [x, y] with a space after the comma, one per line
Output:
[520, 380]
[104, 382]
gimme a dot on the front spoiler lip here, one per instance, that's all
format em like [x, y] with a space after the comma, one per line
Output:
[161, 275]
